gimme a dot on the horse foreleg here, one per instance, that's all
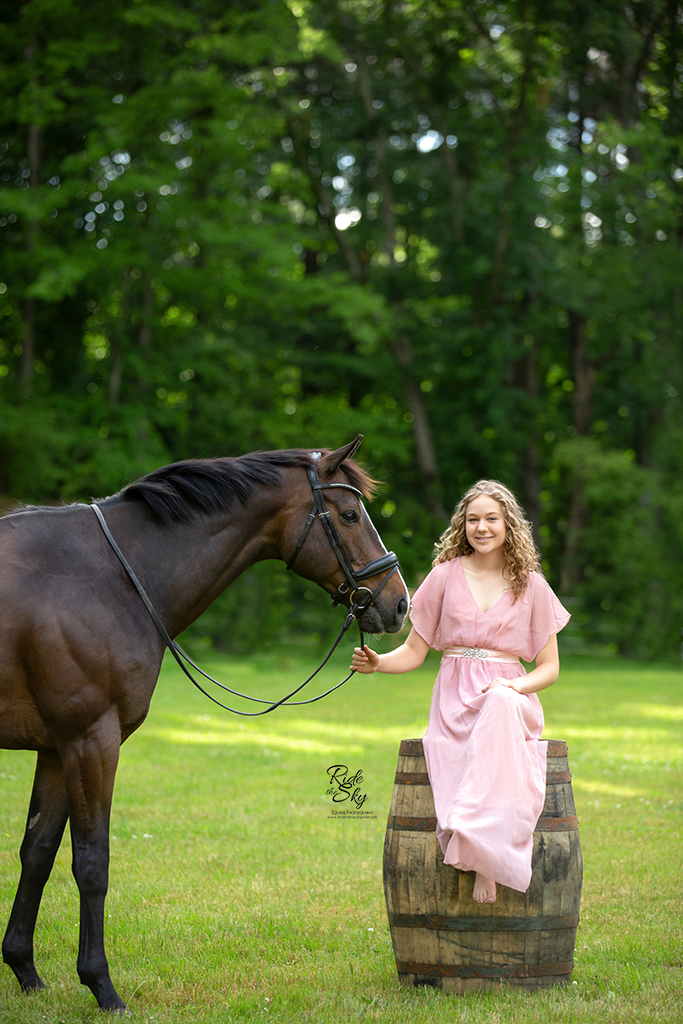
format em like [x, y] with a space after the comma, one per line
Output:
[47, 816]
[90, 767]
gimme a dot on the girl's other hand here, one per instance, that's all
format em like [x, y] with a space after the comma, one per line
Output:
[364, 660]
[513, 684]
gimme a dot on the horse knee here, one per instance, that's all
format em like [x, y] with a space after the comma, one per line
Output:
[13, 951]
[90, 868]
[37, 855]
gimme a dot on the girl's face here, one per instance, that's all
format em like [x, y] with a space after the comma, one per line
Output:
[485, 524]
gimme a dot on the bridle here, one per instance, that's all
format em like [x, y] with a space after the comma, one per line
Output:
[388, 561]
[358, 605]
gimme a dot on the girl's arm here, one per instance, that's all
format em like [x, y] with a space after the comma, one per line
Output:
[545, 674]
[408, 656]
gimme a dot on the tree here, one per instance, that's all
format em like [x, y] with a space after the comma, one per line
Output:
[453, 226]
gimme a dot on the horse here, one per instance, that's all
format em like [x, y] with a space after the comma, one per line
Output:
[80, 655]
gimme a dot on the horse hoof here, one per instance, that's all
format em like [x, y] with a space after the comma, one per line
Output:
[117, 1008]
[30, 987]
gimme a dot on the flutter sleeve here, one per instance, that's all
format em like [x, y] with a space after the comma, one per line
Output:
[548, 616]
[427, 605]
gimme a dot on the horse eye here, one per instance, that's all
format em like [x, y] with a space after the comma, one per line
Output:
[350, 516]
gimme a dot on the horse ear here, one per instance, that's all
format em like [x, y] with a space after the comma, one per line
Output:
[331, 462]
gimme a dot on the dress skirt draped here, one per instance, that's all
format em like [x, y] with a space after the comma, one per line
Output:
[485, 756]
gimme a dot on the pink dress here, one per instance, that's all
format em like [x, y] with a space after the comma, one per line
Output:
[485, 756]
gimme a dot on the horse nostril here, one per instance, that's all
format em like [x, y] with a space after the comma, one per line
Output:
[402, 607]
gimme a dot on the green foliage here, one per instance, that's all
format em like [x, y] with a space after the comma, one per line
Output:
[453, 227]
[630, 547]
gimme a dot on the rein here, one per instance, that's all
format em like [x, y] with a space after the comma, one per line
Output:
[359, 604]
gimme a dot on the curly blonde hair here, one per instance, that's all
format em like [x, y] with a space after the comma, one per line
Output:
[521, 555]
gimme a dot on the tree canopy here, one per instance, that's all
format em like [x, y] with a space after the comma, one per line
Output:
[456, 227]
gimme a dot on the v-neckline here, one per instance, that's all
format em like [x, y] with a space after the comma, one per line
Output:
[469, 589]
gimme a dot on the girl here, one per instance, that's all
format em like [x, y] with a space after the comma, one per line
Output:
[484, 605]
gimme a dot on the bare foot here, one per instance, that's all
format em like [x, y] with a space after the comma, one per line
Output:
[484, 889]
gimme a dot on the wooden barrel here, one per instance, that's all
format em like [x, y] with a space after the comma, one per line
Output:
[441, 937]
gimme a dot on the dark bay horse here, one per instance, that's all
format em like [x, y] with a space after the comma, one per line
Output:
[80, 655]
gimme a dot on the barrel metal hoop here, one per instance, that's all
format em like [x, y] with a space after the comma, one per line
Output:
[411, 824]
[557, 748]
[554, 778]
[569, 824]
[450, 971]
[411, 748]
[544, 824]
[411, 779]
[484, 924]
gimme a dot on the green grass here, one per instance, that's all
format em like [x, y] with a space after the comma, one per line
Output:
[236, 895]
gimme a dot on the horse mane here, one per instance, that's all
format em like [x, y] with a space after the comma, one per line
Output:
[181, 491]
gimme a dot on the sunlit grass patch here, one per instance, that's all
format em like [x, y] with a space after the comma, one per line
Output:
[235, 895]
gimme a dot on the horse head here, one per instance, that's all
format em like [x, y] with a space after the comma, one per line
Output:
[334, 543]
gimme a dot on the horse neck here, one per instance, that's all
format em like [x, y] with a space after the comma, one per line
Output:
[184, 567]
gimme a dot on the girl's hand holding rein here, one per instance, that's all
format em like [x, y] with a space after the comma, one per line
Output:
[408, 656]
[364, 660]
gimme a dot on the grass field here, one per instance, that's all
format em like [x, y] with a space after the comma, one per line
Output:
[237, 895]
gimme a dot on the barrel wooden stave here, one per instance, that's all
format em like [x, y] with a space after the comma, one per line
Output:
[440, 935]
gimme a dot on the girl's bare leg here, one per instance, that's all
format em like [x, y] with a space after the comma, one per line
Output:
[484, 889]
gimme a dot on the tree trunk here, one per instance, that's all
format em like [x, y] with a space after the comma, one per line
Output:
[584, 378]
[28, 350]
[146, 314]
[118, 342]
[584, 372]
[28, 344]
[571, 569]
[525, 376]
[424, 445]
